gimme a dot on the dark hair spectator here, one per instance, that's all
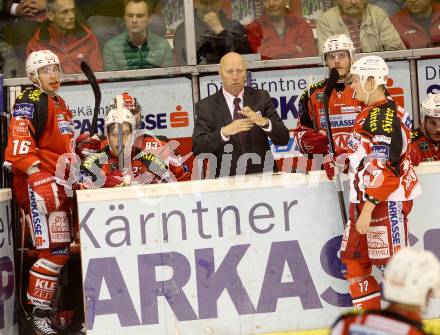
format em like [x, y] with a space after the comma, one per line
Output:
[419, 24]
[279, 33]
[69, 39]
[368, 26]
[138, 47]
[106, 21]
[216, 35]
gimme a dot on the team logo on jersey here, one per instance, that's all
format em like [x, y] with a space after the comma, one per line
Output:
[65, 127]
[24, 110]
[341, 140]
[382, 138]
[350, 109]
[380, 152]
[424, 146]
[377, 240]
[60, 117]
[21, 128]
[59, 227]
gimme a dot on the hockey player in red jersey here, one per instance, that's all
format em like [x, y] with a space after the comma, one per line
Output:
[382, 182]
[310, 134]
[412, 277]
[158, 145]
[426, 139]
[41, 131]
[102, 169]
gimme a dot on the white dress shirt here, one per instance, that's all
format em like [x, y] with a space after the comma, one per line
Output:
[230, 102]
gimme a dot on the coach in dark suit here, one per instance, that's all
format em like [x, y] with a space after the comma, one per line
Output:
[235, 123]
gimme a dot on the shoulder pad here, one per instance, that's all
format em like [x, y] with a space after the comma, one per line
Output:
[318, 85]
[93, 159]
[31, 94]
[148, 157]
[416, 134]
[308, 92]
[26, 104]
[382, 119]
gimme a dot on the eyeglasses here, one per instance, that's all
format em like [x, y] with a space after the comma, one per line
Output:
[337, 55]
[50, 69]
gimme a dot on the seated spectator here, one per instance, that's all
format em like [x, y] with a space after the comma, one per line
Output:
[138, 47]
[426, 139]
[368, 26]
[106, 21]
[216, 35]
[21, 19]
[419, 24]
[280, 34]
[35, 10]
[70, 40]
[389, 6]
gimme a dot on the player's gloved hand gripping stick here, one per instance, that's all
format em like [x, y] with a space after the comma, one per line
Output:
[324, 97]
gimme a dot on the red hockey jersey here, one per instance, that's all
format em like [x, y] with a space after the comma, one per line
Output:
[379, 154]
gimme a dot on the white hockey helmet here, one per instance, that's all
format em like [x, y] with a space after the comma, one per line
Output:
[410, 275]
[371, 66]
[130, 102]
[430, 106]
[38, 59]
[338, 43]
[126, 116]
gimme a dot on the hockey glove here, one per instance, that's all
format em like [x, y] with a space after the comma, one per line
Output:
[86, 145]
[114, 179]
[416, 157]
[49, 196]
[338, 162]
[314, 142]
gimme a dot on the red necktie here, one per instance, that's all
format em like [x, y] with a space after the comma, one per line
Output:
[237, 116]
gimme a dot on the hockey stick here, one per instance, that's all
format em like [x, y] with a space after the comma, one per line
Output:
[22, 232]
[324, 97]
[312, 108]
[97, 93]
[124, 151]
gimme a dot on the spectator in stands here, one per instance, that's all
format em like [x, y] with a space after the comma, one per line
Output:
[138, 47]
[368, 26]
[106, 21]
[419, 24]
[389, 6]
[216, 35]
[70, 40]
[280, 34]
[21, 19]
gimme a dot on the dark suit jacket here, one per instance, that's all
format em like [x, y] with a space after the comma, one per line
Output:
[212, 113]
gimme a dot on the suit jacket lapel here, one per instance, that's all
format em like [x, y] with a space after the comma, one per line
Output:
[247, 97]
[223, 108]
[248, 101]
